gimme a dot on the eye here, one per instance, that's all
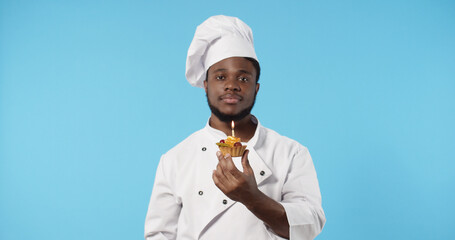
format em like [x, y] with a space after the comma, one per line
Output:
[219, 77]
[243, 79]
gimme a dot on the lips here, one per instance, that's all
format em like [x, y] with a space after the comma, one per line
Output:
[231, 98]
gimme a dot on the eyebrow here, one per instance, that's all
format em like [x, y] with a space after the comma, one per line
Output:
[223, 70]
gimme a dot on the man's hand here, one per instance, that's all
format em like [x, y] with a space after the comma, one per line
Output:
[238, 186]
[242, 187]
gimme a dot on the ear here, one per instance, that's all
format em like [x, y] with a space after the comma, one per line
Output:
[257, 88]
[205, 86]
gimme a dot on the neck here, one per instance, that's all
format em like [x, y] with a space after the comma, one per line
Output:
[244, 129]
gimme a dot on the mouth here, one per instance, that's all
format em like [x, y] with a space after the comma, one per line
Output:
[230, 98]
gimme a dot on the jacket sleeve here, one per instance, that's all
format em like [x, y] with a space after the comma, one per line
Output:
[164, 208]
[301, 198]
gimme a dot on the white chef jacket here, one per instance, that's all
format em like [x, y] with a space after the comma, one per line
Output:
[186, 204]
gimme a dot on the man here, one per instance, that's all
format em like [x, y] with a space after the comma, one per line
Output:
[271, 192]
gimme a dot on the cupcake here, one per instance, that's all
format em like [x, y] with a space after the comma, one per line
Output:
[232, 146]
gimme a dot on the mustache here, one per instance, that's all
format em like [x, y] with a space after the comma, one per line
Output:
[231, 95]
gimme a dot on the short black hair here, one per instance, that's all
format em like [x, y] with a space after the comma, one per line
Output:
[255, 65]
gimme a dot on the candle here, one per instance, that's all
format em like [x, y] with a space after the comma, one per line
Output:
[232, 126]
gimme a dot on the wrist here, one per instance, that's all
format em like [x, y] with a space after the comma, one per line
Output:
[255, 200]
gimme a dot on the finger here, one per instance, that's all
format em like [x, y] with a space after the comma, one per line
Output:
[220, 174]
[219, 155]
[223, 160]
[221, 177]
[247, 169]
[217, 181]
[228, 166]
[231, 172]
[229, 162]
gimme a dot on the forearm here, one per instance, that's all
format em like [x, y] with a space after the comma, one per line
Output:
[270, 212]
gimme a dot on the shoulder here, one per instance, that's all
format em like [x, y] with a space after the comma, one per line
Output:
[188, 144]
[180, 158]
[270, 137]
[274, 146]
[280, 152]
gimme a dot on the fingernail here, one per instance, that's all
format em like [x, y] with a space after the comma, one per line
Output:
[218, 153]
[227, 155]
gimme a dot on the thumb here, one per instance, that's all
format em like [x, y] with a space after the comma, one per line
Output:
[246, 164]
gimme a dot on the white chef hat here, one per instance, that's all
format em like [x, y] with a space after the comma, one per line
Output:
[217, 38]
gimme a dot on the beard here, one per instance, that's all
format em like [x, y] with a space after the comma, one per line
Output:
[230, 117]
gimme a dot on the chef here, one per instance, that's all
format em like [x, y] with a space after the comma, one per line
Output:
[271, 192]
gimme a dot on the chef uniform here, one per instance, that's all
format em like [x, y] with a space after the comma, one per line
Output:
[186, 204]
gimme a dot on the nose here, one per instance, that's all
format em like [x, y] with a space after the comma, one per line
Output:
[232, 85]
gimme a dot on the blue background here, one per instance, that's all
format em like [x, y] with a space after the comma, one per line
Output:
[93, 92]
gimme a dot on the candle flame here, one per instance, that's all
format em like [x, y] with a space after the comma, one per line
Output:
[232, 124]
